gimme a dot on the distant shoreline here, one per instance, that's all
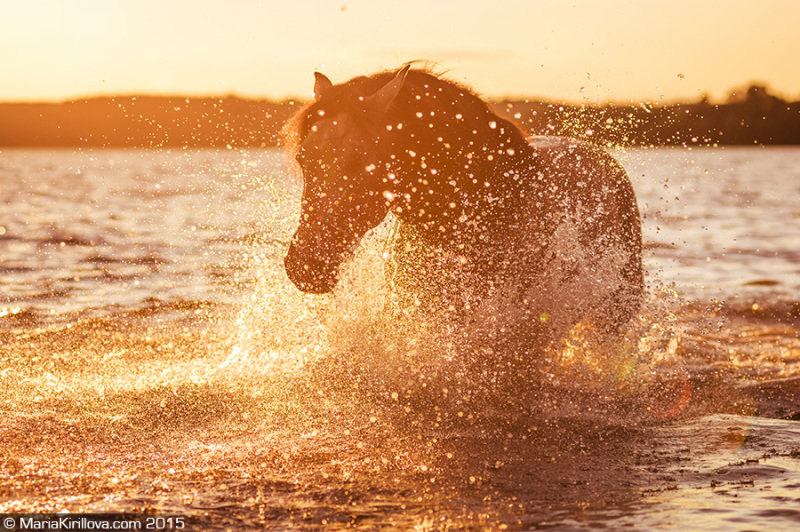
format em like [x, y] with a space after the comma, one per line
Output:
[754, 118]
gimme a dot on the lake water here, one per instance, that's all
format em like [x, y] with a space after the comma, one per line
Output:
[154, 357]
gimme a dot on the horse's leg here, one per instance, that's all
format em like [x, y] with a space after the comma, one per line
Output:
[608, 320]
[402, 271]
[428, 281]
[416, 282]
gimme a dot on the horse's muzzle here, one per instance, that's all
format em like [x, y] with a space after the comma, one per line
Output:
[310, 275]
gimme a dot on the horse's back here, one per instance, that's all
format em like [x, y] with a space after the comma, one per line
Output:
[542, 142]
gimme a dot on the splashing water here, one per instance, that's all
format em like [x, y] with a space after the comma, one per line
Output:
[160, 360]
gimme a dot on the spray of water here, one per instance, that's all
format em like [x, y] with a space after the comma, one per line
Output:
[355, 351]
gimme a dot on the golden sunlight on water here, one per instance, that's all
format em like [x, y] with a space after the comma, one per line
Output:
[154, 358]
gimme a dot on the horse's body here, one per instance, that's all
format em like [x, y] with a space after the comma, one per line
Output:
[482, 210]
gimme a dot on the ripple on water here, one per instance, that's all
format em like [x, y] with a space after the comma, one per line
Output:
[252, 406]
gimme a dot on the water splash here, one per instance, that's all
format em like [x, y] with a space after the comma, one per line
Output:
[352, 349]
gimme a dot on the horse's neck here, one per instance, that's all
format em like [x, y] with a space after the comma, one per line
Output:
[480, 194]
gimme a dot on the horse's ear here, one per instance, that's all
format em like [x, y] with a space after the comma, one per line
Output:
[321, 85]
[385, 96]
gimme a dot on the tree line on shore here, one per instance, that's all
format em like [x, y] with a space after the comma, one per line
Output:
[752, 116]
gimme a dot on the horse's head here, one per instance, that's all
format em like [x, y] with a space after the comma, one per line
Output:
[343, 179]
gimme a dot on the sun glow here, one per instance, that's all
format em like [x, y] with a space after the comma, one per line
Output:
[614, 50]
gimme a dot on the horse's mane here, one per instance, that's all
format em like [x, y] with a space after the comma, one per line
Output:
[423, 92]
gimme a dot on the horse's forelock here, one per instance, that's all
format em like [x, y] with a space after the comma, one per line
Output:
[338, 98]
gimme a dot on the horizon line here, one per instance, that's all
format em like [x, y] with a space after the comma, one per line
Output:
[290, 100]
[700, 96]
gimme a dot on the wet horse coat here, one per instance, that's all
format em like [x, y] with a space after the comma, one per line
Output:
[482, 210]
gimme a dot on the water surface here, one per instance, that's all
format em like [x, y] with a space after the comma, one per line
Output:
[154, 357]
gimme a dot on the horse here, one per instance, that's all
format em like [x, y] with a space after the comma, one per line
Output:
[550, 224]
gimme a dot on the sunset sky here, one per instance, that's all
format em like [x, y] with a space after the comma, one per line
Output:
[570, 50]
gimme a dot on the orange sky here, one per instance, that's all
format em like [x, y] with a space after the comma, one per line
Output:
[557, 49]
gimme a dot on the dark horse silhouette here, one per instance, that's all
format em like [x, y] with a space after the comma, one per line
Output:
[551, 224]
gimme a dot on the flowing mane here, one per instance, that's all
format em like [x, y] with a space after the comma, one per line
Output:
[426, 96]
